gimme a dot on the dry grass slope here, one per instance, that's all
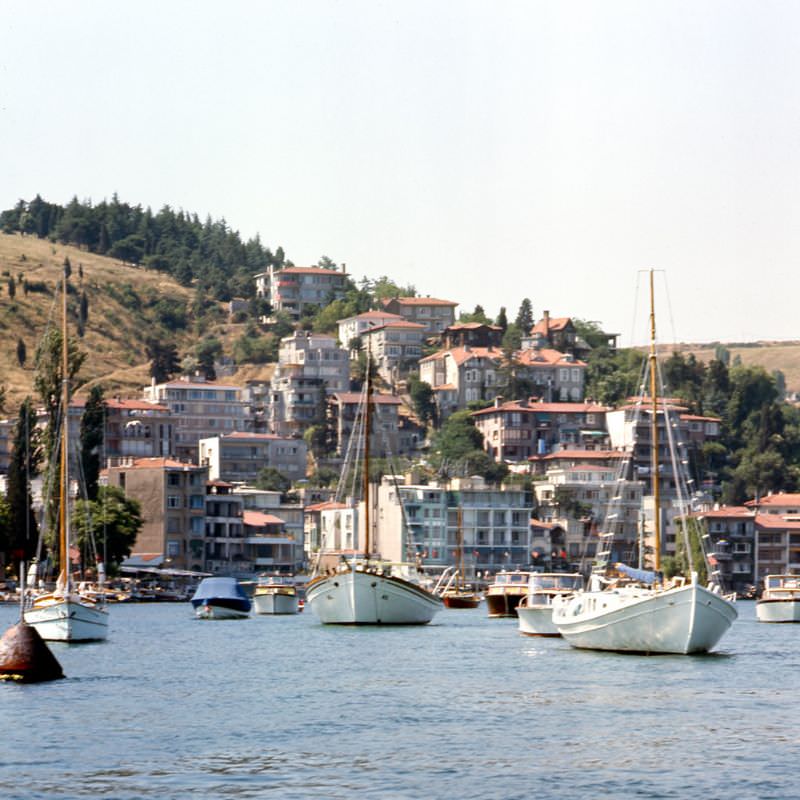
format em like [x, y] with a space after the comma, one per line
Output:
[114, 337]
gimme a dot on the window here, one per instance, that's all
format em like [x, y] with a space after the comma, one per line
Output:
[173, 479]
[173, 548]
[196, 501]
[173, 501]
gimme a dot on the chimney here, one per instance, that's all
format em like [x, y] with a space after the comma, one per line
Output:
[546, 320]
[498, 401]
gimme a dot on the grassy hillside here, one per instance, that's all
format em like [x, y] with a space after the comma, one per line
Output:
[783, 356]
[122, 312]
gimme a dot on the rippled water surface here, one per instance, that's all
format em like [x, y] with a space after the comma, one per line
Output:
[173, 707]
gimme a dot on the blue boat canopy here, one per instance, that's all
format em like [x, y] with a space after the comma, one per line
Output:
[219, 589]
[642, 575]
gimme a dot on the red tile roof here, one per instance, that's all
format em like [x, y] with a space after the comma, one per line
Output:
[161, 463]
[243, 435]
[696, 418]
[461, 355]
[401, 323]
[724, 513]
[258, 518]
[420, 301]
[776, 500]
[308, 271]
[776, 522]
[325, 506]
[545, 357]
[551, 324]
[544, 408]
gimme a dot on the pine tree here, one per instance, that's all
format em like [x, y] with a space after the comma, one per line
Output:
[524, 320]
[92, 433]
[22, 352]
[26, 458]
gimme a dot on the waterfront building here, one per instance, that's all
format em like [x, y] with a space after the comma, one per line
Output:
[732, 531]
[239, 457]
[423, 521]
[172, 495]
[224, 543]
[577, 498]
[287, 551]
[199, 409]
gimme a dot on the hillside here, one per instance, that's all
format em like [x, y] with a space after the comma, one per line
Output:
[122, 312]
[783, 356]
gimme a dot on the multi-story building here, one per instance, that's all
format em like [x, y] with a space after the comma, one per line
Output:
[777, 532]
[295, 289]
[732, 545]
[346, 408]
[6, 443]
[310, 367]
[172, 495]
[289, 550]
[136, 429]
[395, 348]
[199, 409]
[351, 328]
[240, 456]
[586, 499]
[269, 547]
[554, 376]
[224, 546]
[461, 375]
[560, 334]
[471, 334]
[521, 429]
[435, 315]
[424, 521]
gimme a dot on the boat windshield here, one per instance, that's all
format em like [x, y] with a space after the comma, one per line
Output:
[511, 577]
[541, 582]
[783, 582]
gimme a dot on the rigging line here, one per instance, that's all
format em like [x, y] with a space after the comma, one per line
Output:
[669, 310]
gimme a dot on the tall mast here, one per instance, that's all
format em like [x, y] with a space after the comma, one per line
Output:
[654, 432]
[63, 516]
[460, 534]
[367, 421]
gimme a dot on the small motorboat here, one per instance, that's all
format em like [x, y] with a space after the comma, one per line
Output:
[220, 598]
[780, 600]
[273, 596]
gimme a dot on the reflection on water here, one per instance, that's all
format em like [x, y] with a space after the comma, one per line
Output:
[170, 707]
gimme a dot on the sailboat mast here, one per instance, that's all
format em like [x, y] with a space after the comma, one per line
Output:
[63, 516]
[367, 421]
[654, 432]
[460, 549]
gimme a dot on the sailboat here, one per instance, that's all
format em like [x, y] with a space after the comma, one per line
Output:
[362, 588]
[460, 595]
[637, 610]
[66, 614]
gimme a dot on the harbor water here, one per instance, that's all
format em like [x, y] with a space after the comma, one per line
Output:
[173, 707]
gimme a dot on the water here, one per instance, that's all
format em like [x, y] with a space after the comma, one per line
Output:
[173, 707]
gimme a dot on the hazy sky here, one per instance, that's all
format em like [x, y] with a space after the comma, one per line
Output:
[481, 151]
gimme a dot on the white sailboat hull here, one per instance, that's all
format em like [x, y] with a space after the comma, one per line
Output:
[68, 620]
[536, 620]
[275, 603]
[787, 610]
[686, 619]
[365, 598]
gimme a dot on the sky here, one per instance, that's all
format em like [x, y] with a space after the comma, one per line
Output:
[482, 152]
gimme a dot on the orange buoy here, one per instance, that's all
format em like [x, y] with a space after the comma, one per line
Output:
[25, 658]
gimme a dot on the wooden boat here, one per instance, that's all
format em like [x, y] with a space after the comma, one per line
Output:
[535, 610]
[780, 599]
[460, 595]
[505, 593]
[66, 614]
[363, 588]
[274, 596]
[636, 610]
